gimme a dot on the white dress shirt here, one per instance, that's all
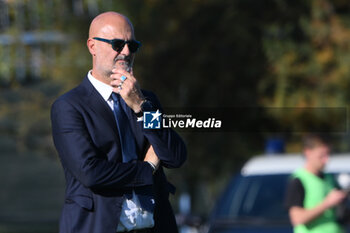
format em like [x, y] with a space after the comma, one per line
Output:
[132, 216]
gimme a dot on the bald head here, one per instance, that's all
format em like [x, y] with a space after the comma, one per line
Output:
[107, 23]
[104, 28]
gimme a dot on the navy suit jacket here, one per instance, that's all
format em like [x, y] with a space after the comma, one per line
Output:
[86, 137]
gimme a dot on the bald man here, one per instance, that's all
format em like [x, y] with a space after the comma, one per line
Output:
[113, 166]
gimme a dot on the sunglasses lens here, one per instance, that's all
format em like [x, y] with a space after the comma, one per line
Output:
[133, 46]
[118, 45]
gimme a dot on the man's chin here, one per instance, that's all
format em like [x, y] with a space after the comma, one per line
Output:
[107, 74]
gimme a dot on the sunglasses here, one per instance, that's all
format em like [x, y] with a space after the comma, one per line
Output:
[118, 44]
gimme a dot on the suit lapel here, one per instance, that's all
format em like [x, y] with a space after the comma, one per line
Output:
[98, 105]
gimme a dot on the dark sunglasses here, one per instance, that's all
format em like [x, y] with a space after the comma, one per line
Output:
[118, 44]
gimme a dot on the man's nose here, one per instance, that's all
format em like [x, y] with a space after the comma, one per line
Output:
[125, 50]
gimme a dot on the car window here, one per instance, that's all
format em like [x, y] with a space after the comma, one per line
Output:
[255, 197]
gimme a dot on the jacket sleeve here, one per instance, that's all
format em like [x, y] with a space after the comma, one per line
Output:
[84, 161]
[167, 144]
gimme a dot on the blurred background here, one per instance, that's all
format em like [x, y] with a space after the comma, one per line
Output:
[195, 53]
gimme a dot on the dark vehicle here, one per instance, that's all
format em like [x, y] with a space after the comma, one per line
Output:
[253, 201]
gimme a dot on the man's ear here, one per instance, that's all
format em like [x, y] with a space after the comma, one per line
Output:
[91, 46]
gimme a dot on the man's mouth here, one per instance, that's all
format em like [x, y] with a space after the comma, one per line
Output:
[121, 57]
[123, 64]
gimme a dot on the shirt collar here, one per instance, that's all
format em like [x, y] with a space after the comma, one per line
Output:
[102, 88]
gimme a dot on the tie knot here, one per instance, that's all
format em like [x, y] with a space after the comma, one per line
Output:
[115, 97]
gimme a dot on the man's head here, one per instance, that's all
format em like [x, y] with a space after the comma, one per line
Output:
[104, 27]
[316, 149]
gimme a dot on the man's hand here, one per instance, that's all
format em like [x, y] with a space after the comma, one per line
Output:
[334, 198]
[299, 215]
[152, 157]
[128, 89]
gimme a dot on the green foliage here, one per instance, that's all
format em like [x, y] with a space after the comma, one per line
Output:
[310, 70]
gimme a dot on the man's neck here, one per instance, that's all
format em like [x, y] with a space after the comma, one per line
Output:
[312, 170]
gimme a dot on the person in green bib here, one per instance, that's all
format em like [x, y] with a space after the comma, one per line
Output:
[313, 195]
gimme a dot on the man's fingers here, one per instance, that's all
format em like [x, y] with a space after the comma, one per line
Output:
[126, 85]
[152, 157]
[119, 73]
[119, 80]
